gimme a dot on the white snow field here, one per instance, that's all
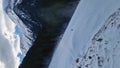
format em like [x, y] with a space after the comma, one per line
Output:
[9, 41]
[92, 39]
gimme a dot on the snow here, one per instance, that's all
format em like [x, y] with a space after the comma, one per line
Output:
[26, 33]
[9, 41]
[91, 21]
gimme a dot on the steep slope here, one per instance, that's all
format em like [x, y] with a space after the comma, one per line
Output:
[104, 46]
[43, 23]
[37, 15]
[92, 37]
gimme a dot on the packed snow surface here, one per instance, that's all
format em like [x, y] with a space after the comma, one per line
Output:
[92, 38]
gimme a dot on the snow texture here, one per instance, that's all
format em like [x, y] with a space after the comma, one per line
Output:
[9, 41]
[92, 37]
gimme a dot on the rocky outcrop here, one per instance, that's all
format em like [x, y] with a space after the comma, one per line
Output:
[38, 15]
[42, 26]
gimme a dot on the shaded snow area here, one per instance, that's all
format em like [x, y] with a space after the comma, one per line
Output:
[92, 39]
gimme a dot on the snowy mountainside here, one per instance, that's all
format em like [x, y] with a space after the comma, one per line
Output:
[104, 47]
[92, 37]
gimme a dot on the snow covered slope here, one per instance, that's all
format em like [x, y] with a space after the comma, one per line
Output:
[92, 37]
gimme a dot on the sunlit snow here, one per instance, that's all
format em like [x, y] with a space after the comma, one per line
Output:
[9, 41]
[92, 37]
